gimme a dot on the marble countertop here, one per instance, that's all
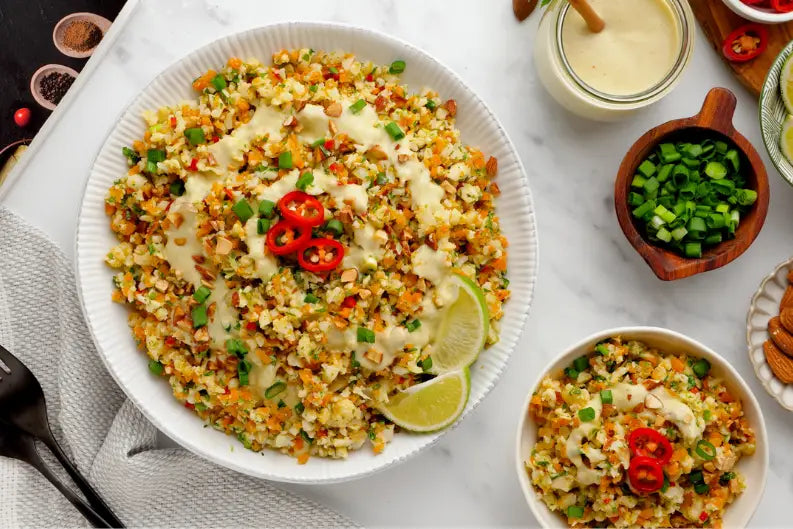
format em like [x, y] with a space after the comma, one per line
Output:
[590, 278]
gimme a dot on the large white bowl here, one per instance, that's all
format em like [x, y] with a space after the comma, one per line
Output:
[760, 15]
[753, 467]
[108, 321]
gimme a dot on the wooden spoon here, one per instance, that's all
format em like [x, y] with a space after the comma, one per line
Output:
[590, 16]
[523, 8]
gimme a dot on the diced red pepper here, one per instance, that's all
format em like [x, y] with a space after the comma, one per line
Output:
[189, 405]
[334, 167]
[349, 302]
[193, 164]
[251, 325]
[370, 78]
[329, 145]
[170, 340]
[173, 122]
[215, 139]
[703, 516]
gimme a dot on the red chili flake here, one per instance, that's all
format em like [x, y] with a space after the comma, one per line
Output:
[226, 391]
[349, 301]
[215, 139]
[703, 516]
[370, 78]
[607, 501]
[671, 483]
[251, 325]
[275, 74]
[173, 122]
[330, 145]
[334, 167]
[229, 193]
[170, 340]
[193, 164]
[189, 405]
[168, 206]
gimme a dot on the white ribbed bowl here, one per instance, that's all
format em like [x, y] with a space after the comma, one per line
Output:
[108, 321]
[764, 306]
[773, 115]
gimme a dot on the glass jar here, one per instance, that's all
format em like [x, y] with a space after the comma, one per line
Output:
[570, 91]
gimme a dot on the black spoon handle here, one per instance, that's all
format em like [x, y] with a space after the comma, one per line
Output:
[91, 495]
[32, 457]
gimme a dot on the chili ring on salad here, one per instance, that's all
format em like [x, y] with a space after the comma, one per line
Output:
[308, 251]
[630, 436]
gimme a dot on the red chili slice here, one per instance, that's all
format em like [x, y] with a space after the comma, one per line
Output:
[746, 42]
[301, 209]
[782, 6]
[321, 255]
[645, 475]
[285, 237]
[646, 442]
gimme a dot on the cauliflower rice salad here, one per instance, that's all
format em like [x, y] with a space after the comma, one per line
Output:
[629, 436]
[288, 245]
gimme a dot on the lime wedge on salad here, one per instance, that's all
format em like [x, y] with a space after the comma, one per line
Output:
[463, 331]
[786, 138]
[431, 405]
[786, 84]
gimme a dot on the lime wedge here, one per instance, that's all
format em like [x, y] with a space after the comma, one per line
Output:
[786, 84]
[786, 139]
[463, 331]
[431, 405]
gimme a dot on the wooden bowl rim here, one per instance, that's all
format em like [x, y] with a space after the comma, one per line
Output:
[662, 261]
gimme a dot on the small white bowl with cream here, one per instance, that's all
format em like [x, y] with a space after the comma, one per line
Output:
[633, 62]
[753, 468]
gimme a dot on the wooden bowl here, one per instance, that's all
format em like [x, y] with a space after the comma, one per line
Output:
[714, 119]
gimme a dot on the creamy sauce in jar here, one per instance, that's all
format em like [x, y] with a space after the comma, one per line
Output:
[635, 51]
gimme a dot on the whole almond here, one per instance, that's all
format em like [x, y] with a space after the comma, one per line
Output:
[786, 319]
[787, 298]
[780, 336]
[781, 365]
[491, 167]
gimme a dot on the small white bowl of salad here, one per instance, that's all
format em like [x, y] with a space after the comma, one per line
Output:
[762, 11]
[641, 427]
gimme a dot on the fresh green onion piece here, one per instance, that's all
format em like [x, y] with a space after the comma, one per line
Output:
[156, 367]
[665, 214]
[679, 233]
[243, 210]
[668, 153]
[701, 488]
[195, 135]
[725, 478]
[365, 335]
[262, 226]
[574, 511]
[694, 150]
[431, 105]
[334, 226]
[586, 414]
[696, 477]
[691, 163]
[664, 172]
[644, 209]
[696, 224]
[266, 208]
[701, 367]
[412, 325]
[357, 106]
[715, 170]
[310, 298]
[733, 157]
[651, 186]
[746, 197]
[721, 147]
[602, 349]
[151, 167]
[663, 235]
[199, 315]
[219, 82]
[680, 175]
[687, 191]
[333, 70]
[313, 88]
[285, 160]
[397, 66]
[274, 390]
[606, 397]
[156, 155]
[571, 372]
[132, 155]
[394, 131]
[236, 347]
[693, 249]
[177, 188]
[646, 168]
[426, 364]
[723, 208]
[202, 293]
[318, 143]
[705, 450]
[638, 181]
[656, 222]
[665, 486]
[299, 408]
[581, 364]
[635, 199]
[305, 180]
[713, 238]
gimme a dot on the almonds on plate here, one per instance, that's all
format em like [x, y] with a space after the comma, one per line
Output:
[787, 298]
[780, 336]
[786, 319]
[781, 365]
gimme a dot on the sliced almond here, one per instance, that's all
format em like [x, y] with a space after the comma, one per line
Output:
[651, 402]
[376, 154]
[402, 158]
[491, 167]
[291, 121]
[448, 187]
[332, 128]
[180, 241]
[176, 218]
[201, 335]
[349, 275]
[199, 259]
[374, 355]
[451, 107]
[223, 247]
[333, 110]
[161, 285]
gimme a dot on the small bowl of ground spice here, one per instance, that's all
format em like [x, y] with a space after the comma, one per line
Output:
[50, 83]
[78, 34]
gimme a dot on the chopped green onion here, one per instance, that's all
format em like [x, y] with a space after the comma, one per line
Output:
[646, 168]
[365, 335]
[299, 408]
[602, 349]
[574, 511]
[132, 156]
[156, 367]
[357, 106]
[199, 315]
[262, 226]
[725, 478]
[236, 347]
[274, 390]
[734, 159]
[644, 209]
[586, 414]
[606, 397]
[693, 249]
[285, 160]
[195, 135]
[219, 82]
[202, 293]
[412, 325]
[156, 155]
[310, 298]
[705, 450]
[431, 105]
[715, 170]
[426, 364]
[701, 488]
[318, 143]
[177, 188]
[394, 131]
[266, 208]
[397, 66]
[581, 364]
[334, 226]
[638, 181]
[668, 153]
[305, 180]
[243, 210]
[696, 477]
[664, 235]
[701, 367]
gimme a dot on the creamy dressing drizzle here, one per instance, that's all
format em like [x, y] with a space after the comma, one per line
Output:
[625, 397]
[228, 152]
[265, 265]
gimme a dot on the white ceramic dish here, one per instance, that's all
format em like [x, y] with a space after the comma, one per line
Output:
[764, 306]
[754, 468]
[761, 15]
[108, 320]
[57, 33]
[38, 75]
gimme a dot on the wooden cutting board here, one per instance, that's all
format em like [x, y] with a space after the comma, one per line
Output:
[717, 21]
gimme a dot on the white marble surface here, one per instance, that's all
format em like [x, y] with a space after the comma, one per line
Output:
[590, 278]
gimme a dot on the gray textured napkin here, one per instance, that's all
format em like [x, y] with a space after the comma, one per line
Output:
[104, 434]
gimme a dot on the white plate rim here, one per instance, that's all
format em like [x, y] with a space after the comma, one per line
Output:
[528, 215]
